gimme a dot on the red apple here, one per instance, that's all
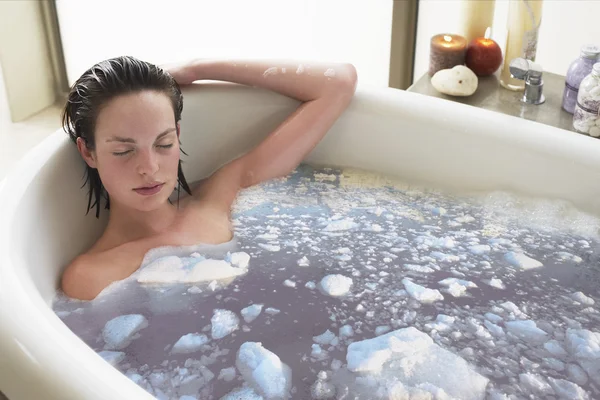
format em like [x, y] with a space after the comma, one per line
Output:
[484, 56]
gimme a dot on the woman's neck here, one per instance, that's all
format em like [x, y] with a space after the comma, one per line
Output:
[126, 225]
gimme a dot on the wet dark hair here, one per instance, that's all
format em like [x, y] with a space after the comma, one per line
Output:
[96, 87]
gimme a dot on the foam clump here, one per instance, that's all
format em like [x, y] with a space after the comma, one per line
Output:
[527, 330]
[189, 343]
[172, 269]
[336, 285]
[345, 224]
[457, 287]
[264, 371]
[227, 374]
[480, 249]
[326, 337]
[223, 323]
[410, 357]
[119, 332]
[580, 297]
[421, 293]
[112, 357]
[495, 283]
[522, 261]
[252, 312]
[243, 393]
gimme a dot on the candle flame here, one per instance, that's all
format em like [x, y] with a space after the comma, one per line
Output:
[488, 33]
[447, 38]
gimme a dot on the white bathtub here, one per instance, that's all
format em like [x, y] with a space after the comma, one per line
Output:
[420, 139]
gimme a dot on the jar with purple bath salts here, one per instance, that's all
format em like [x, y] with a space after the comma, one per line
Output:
[579, 69]
[586, 118]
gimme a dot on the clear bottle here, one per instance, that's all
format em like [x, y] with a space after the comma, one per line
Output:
[524, 19]
[586, 118]
[579, 69]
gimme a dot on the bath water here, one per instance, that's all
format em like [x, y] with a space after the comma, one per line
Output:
[361, 287]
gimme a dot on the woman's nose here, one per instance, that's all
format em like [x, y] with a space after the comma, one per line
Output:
[148, 163]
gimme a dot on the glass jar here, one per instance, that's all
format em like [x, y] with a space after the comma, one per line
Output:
[586, 118]
[578, 70]
[524, 20]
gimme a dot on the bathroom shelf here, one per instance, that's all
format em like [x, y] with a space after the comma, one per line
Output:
[491, 96]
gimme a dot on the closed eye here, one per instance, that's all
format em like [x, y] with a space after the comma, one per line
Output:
[165, 146]
[122, 153]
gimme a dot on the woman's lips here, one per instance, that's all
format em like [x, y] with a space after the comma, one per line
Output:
[149, 190]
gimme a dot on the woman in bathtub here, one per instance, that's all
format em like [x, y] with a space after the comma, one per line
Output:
[123, 114]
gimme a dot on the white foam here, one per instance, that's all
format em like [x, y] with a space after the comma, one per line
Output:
[336, 285]
[577, 374]
[112, 357]
[189, 343]
[289, 283]
[410, 357]
[252, 312]
[346, 331]
[522, 261]
[382, 329]
[493, 317]
[582, 298]
[527, 330]
[171, 270]
[568, 390]
[227, 374]
[303, 262]
[243, 393]
[239, 259]
[495, 283]
[443, 323]
[555, 348]
[223, 323]
[443, 257]
[480, 249]
[325, 338]
[310, 285]
[119, 332]
[270, 247]
[535, 384]
[264, 371]
[419, 268]
[421, 293]
[272, 311]
[457, 287]
[345, 224]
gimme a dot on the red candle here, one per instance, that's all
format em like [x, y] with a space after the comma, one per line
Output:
[447, 51]
[484, 56]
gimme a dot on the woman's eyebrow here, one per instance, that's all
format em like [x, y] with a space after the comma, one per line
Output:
[130, 140]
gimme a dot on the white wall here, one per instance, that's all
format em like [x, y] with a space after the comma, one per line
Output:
[356, 31]
[566, 26]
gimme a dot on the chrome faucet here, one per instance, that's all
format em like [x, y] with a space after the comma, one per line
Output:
[531, 73]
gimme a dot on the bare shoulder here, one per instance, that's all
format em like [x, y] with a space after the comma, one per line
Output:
[79, 280]
[90, 273]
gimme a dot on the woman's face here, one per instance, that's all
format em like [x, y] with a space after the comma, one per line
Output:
[137, 150]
